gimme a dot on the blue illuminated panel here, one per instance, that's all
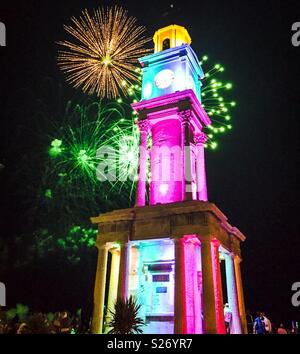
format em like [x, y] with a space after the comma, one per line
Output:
[169, 71]
[162, 290]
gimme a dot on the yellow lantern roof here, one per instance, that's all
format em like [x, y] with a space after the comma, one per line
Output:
[170, 37]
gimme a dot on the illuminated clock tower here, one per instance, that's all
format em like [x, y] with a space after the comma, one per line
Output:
[172, 249]
[171, 112]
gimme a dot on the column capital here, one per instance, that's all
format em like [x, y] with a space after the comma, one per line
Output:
[200, 139]
[123, 243]
[238, 259]
[216, 243]
[178, 239]
[204, 239]
[185, 116]
[230, 255]
[114, 250]
[191, 239]
[103, 246]
[144, 126]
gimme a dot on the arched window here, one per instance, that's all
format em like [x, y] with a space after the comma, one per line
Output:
[166, 44]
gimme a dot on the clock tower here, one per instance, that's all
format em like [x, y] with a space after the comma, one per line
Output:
[171, 250]
[172, 115]
[173, 67]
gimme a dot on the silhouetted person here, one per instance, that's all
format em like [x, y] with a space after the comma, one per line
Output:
[227, 318]
[268, 324]
[250, 322]
[259, 325]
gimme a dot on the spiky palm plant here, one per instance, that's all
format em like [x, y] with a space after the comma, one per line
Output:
[125, 317]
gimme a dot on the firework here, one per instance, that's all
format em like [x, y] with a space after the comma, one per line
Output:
[217, 106]
[103, 56]
[89, 127]
[74, 147]
[86, 129]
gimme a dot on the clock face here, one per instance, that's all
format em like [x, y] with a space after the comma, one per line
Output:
[147, 90]
[164, 79]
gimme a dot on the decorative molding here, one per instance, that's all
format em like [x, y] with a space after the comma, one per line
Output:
[144, 126]
[200, 138]
[181, 99]
[185, 116]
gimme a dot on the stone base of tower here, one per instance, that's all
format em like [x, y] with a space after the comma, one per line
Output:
[172, 258]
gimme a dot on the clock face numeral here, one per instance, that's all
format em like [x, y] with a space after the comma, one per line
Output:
[164, 79]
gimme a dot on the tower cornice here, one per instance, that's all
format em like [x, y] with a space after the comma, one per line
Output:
[171, 54]
[180, 101]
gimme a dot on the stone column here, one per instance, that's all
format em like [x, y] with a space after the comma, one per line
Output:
[186, 155]
[198, 290]
[141, 187]
[99, 293]
[124, 271]
[209, 307]
[113, 282]
[180, 303]
[239, 284]
[218, 288]
[193, 300]
[141, 276]
[232, 294]
[200, 140]
[189, 252]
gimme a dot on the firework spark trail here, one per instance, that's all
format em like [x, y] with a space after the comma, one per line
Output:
[217, 107]
[105, 53]
[114, 126]
[73, 148]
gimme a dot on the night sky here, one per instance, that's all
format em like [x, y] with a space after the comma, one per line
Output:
[253, 176]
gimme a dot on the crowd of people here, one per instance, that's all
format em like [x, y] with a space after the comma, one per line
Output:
[39, 323]
[259, 324]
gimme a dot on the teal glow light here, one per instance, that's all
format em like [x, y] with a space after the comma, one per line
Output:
[176, 74]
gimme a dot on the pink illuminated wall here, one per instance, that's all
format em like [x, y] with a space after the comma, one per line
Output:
[166, 162]
[172, 115]
[217, 287]
[193, 286]
[177, 159]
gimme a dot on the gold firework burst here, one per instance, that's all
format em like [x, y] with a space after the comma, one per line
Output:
[103, 59]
